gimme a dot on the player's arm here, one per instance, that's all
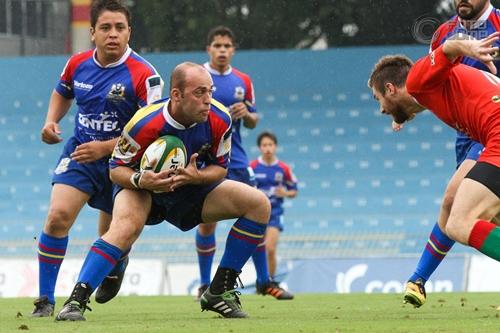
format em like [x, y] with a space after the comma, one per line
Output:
[192, 175]
[283, 192]
[58, 107]
[125, 160]
[482, 50]
[242, 111]
[289, 190]
[93, 150]
[246, 110]
[127, 177]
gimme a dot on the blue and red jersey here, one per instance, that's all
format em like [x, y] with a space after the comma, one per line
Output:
[107, 97]
[210, 139]
[232, 87]
[487, 24]
[270, 176]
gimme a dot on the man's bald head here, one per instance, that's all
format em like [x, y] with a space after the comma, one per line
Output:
[181, 72]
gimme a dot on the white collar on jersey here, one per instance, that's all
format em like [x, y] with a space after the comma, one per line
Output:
[480, 20]
[171, 121]
[114, 64]
[216, 72]
[261, 161]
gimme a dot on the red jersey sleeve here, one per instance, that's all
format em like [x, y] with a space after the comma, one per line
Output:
[429, 72]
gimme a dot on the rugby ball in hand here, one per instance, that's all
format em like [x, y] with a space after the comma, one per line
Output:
[165, 153]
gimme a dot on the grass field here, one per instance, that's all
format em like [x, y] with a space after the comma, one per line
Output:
[454, 313]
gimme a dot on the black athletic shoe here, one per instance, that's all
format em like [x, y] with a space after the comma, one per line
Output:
[273, 288]
[42, 307]
[76, 304]
[221, 296]
[110, 286]
[226, 304]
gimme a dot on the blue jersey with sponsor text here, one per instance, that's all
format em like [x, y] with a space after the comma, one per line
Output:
[107, 96]
[232, 87]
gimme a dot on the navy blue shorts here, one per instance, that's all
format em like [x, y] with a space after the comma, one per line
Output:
[467, 149]
[91, 178]
[242, 175]
[276, 221]
[181, 208]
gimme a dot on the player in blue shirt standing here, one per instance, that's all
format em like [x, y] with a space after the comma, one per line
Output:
[234, 89]
[476, 19]
[277, 181]
[109, 83]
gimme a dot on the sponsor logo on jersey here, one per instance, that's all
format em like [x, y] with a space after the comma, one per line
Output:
[117, 93]
[104, 122]
[495, 99]
[82, 85]
[126, 148]
[239, 93]
[278, 177]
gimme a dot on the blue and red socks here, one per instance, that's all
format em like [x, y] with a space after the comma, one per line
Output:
[51, 251]
[241, 243]
[205, 247]
[100, 260]
[121, 264]
[435, 250]
[259, 258]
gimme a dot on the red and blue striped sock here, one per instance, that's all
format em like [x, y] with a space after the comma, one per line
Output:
[51, 251]
[242, 241]
[485, 237]
[259, 257]
[100, 260]
[435, 250]
[205, 247]
[120, 264]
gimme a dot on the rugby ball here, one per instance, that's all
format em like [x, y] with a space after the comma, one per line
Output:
[165, 153]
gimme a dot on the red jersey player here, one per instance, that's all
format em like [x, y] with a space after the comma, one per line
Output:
[466, 99]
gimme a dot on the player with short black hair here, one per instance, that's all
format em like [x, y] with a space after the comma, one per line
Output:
[109, 83]
[276, 179]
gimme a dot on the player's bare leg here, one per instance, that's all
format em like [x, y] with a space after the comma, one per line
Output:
[473, 201]
[415, 287]
[65, 204]
[130, 212]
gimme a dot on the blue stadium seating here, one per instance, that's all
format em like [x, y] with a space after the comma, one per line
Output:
[363, 188]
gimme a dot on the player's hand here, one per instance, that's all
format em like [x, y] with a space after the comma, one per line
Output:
[153, 181]
[280, 192]
[238, 110]
[188, 175]
[51, 133]
[89, 152]
[484, 51]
